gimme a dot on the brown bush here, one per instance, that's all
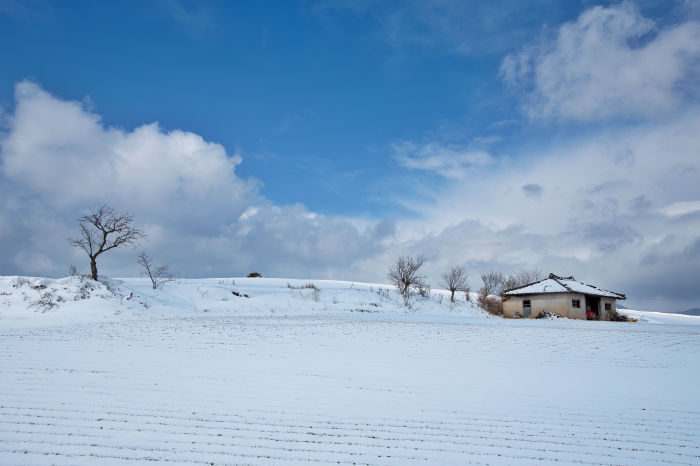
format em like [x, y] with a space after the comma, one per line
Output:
[308, 286]
[614, 316]
[490, 304]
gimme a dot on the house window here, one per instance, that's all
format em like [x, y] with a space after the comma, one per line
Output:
[575, 303]
[608, 306]
[526, 304]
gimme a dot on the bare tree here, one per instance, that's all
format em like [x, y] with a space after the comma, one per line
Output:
[511, 280]
[102, 230]
[404, 275]
[454, 280]
[525, 277]
[521, 278]
[493, 283]
[158, 274]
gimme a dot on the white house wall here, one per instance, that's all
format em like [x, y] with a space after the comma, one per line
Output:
[603, 312]
[559, 303]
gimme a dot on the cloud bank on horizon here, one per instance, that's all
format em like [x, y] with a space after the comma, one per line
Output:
[616, 202]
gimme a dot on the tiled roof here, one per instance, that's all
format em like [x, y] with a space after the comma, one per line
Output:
[556, 284]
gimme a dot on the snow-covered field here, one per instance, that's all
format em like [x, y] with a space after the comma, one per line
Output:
[194, 374]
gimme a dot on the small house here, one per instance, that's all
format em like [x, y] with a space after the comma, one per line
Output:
[563, 296]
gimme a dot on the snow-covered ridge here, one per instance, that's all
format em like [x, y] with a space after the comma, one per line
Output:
[46, 300]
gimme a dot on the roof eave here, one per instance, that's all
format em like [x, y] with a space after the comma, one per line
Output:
[618, 295]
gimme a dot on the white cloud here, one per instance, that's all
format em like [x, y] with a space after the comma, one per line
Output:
[58, 159]
[611, 61]
[447, 161]
[64, 153]
[681, 208]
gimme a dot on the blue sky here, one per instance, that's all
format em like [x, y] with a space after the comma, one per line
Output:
[491, 134]
[312, 94]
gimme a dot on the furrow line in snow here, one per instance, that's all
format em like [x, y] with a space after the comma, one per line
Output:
[517, 452]
[542, 425]
[258, 450]
[399, 435]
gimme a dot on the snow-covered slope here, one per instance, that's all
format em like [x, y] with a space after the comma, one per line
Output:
[42, 301]
[194, 374]
[79, 299]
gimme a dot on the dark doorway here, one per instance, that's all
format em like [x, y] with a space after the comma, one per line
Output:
[592, 307]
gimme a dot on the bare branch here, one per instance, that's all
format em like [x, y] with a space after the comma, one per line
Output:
[493, 283]
[526, 277]
[521, 278]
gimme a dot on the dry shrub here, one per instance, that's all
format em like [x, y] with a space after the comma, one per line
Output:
[20, 282]
[46, 302]
[615, 316]
[424, 290]
[490, 304]
[308, 286]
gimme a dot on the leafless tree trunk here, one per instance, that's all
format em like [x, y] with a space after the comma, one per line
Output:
[404, 275]
[102, 230]
[454, 280]
[158, 274]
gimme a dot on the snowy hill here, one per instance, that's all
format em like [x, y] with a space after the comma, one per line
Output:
[337, 372]
[691, 312]
[81, 299]
[44, 300]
